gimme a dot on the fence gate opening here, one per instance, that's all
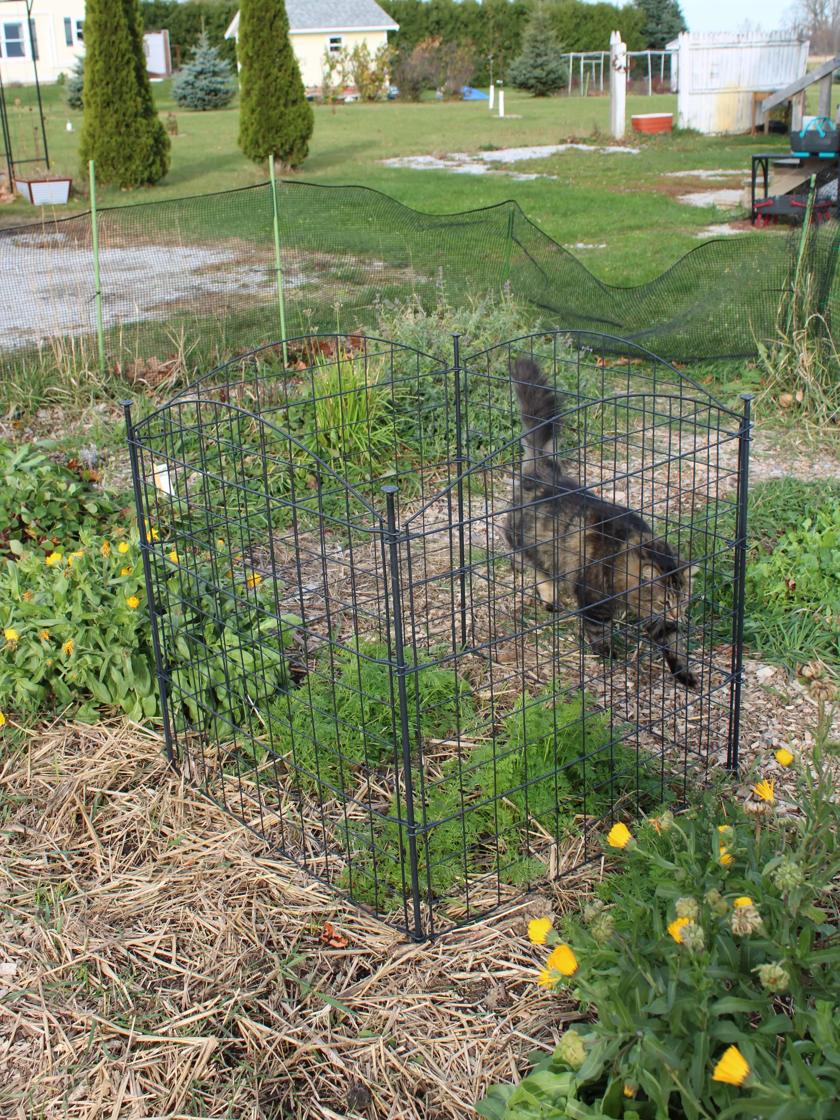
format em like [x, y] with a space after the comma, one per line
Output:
[423, 647]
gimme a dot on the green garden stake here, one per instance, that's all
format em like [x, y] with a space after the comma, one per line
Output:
[277, 259]
[94, 229]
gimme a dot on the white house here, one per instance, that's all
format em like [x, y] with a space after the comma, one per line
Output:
[319, 26]
[57, 38]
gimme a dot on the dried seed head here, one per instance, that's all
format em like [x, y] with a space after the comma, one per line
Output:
[773, 977]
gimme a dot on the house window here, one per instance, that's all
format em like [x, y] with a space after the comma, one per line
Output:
[80, 30]
[335, 44]
[68, 32]
[13, 40]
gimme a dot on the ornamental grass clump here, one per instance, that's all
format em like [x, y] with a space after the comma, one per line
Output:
[711, 991]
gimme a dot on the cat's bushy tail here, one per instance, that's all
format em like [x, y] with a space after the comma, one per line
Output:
[542, 430]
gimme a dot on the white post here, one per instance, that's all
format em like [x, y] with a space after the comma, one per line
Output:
[492, 96]
[684, 116]
[580, 91]
[650, 77]
[501, 100]
[618, 85]
[602, 71]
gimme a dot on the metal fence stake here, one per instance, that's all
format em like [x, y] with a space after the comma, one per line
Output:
[278, 263]
[737, 665]
[94, 229]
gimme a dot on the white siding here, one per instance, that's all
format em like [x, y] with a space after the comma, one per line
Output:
[55, 54]
[718, 74]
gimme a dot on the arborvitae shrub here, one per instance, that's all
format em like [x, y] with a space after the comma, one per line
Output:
[540, 68]
[121, 130]
[75, 84]
[275, 116]
[206, 82]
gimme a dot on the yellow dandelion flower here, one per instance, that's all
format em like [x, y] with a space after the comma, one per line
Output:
[783, 756]
[11, 635]
[123, 547]
[253, 580]
[546, 979]
[53, 559]
[106, 548]
[563, 960]
[68, 647]
[173, 556]
[732, 1068]
[743, 901]
[44, 635]
[725, 857]
[764, 790]
[619, 836]
[538, 930]
[2, 719]
[133, 602]
[676, 927]
[126, 571]
[630, 1090]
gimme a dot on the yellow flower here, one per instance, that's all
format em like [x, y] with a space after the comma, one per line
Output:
[2, 719]
[676, 927]
[26, 596]
[126, 571]
[725, 830]
[562, 960]
[123, 547]
[538, 930]
[77, 555]
[732, 1068]
[11, 635]
[106, 548]
[67, 648]
[630, 1090]
[53, 559]
[173, 556]
[783, 756]
[133, 602]
[546, 979]
[743, 901]
[764, 790]
[619, 836]
[253, 580]
[725, 857]
[44, 635]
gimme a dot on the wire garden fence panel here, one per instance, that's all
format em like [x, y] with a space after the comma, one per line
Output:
[355, 654]
[197, 278]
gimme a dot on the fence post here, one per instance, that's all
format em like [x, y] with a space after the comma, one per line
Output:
[501, 99]
[147, 575]
[393, 537]
[737, 663]
[278, 263]
[459, 485]
[94, 224]
[618, 84]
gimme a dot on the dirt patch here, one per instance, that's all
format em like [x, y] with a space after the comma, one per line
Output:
[481, 163]
[725, 198]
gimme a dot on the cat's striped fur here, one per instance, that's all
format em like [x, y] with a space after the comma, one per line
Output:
[604, 555]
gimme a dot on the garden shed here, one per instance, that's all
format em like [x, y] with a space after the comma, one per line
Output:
[718, 74]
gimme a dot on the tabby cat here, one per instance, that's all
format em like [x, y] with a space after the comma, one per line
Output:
[604, 554]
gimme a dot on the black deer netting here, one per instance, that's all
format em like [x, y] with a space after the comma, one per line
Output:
[358, 652]
[197, 277]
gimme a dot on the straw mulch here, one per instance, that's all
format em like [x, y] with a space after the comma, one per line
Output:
[154, 964]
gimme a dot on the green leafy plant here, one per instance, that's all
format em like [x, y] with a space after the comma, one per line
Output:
[206, 82]
[709, 966]
[74, 87]
[43, 502]
[540, 68]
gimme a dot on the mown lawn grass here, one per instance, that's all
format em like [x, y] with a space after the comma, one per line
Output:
[626, 203]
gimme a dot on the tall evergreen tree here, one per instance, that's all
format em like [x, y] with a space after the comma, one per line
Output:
[206, 82]
[540, 67]
[663, 21]
[120, 129]
[275, 116]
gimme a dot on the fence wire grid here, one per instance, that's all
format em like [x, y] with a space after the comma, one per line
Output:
[354, 647]
[197, 277]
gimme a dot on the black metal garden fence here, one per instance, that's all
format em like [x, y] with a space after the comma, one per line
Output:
[426, 649]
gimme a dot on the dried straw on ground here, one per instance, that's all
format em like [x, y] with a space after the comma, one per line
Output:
[152, 964]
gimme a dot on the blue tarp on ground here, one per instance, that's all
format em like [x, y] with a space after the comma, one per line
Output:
[471, 94]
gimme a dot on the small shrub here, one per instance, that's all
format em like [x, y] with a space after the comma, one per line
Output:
[44, 503]
[368, 73]
[74, 86]
[206, 82]
[709, 967]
